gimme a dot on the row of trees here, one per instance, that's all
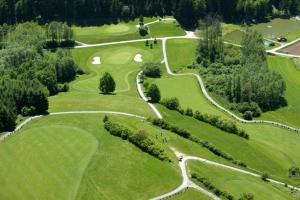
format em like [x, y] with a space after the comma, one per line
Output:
[186, 11]
[240, 76]
[139, 139]
[29, 74]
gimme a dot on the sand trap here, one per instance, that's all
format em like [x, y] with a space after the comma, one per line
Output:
[269, 26]
[138, 58]
[96, 61]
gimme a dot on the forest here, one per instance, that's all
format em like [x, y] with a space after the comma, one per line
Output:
[29, 73]
[187, 12]
[239, 76]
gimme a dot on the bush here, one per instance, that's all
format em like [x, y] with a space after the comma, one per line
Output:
[153, 93]
[63, 87]
[248, 115]
[172, 104]
[253, 107]
[152, 70]
[143, 30]
[265, 177]
[28, 111]
[189, 112]
[294, 172]
[139, 139]
[80, 71]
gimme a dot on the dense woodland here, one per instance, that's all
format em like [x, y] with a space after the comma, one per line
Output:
[29, 74]
[186, 11]
[239, 76]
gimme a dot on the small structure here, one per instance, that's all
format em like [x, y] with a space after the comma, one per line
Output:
[281, 39]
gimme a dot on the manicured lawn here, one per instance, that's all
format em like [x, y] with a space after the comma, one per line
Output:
[290, 114]
[117, 60]
[165, 29]
[237, 184]
[73, 157]
[278, 28]
[190, 194]
[181, 53]
[109, 33]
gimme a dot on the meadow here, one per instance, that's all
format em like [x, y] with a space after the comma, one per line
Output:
[238, 184]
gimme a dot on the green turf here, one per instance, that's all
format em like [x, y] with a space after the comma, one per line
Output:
[181, 53]
[290, 114]
[278, 28]
[117, 60]
[234, 37]
[190, 194]
[165, 29]
[73, 157]
[237, 184]
[108, 33]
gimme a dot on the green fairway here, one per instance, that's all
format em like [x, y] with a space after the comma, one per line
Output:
[68, 157]
[190, 194]
[165, 29]
[237, 184]
[109, 33]
[279, 28]
[181, 53]
[117, 60]
[291, 113]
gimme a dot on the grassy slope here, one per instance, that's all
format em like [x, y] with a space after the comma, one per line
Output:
[190, 194]
[165, 29]
[76, 157]
[117, 60]
[291, 75]
[125, 31]
[238, 184]
[258, 153]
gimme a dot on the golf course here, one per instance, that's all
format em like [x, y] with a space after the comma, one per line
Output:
[140, 120]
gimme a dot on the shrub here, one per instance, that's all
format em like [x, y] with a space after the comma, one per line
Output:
[155, 41]
[143, 30]
[153, 93]
[172, 104]
[105, 119]
[80, 71]
[253, 107]
[139, 139]
[63, 87]
[265, 177]
[28, 111]
[294, 172]
[152, 70]
[189, 112]
[247, 196]
[248, 115]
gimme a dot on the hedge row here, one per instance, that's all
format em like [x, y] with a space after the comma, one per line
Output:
[183, 133]
[216, 121]
[211, 187]
[139, 139]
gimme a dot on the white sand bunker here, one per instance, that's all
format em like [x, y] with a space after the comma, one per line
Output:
[138, 58]
[270, 26]
[96, 61]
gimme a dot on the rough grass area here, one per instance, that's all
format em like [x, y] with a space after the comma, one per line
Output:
[235, 37]
[237, 184]
[279, 28]
[291, 113]
[190, 194]
[73, 157]
[117, 60]
[165, 29]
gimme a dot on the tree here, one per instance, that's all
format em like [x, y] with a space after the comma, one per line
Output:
[152, 70]
[107, 84]
[153, 93]
[143, 30]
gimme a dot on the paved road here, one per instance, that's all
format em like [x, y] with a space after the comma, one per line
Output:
[187, 183]
[25, 122]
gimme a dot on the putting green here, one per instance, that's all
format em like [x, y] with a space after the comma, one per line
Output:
[117, 60]
[237, 184]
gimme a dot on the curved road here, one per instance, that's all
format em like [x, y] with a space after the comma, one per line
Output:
[25, 122]
[187, 183]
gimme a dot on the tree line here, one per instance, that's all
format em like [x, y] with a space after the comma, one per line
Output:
[240, 76]
[29, 73]
[187, 12]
